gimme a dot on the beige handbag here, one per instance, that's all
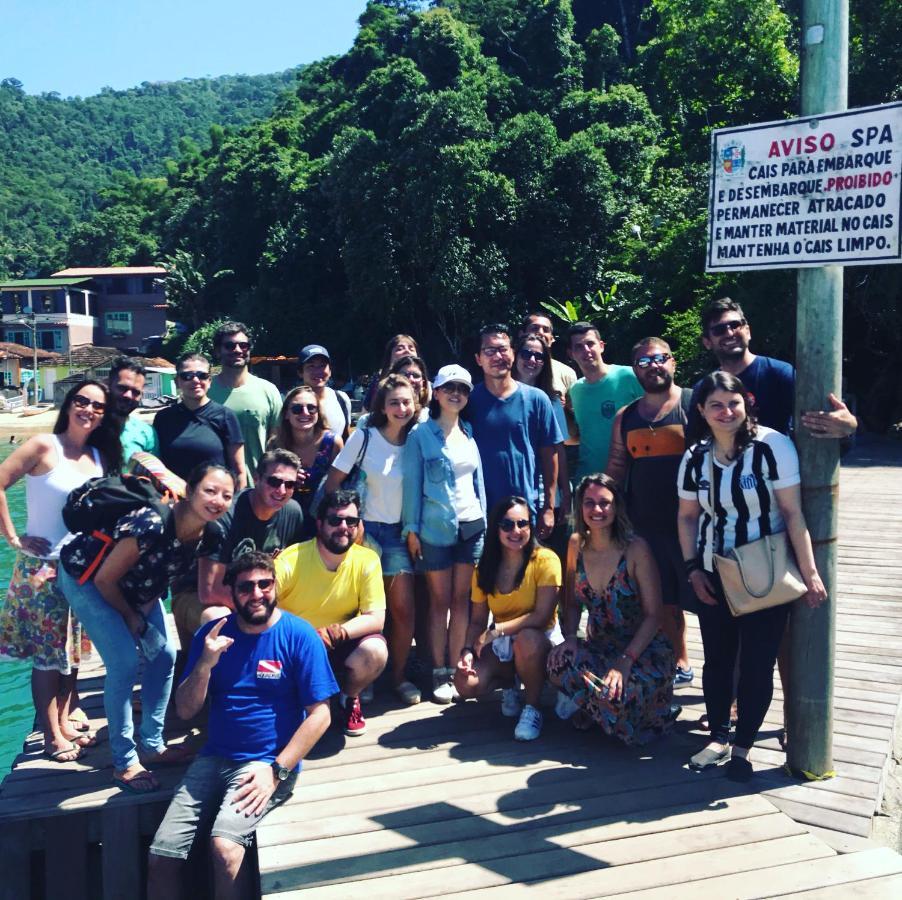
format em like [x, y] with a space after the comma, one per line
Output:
[760, 574]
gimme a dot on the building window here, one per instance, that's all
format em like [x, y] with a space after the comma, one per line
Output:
[19, 337]
[117, 324]
[51, 340]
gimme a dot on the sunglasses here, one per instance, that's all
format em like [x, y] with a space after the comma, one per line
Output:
[509, 525]
[236, 345]
[532, 354]
[495, 351]
[307, 408]
[350, 521]
[246, 586]
[643, 362]
[275, 482]
[190, 376]
[83, 402]
[455, 388]
[722, 328]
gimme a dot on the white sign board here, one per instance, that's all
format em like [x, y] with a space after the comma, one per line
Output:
[818, 191]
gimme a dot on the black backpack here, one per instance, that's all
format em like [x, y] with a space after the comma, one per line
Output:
[95, 508]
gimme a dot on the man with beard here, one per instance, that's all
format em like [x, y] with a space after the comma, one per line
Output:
[771, 382]
[255, 401]
[647, 444]
[126, 383]
[336, 585]
[268, 680]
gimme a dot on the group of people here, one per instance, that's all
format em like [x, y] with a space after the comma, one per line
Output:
[295, 556]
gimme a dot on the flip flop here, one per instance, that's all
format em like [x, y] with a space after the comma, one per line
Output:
[168, 756]
[78, 719]
[141, 782]
[85, 740]
[57, 755]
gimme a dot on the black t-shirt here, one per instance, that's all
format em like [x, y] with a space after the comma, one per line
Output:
[190, 437]
[242, 531]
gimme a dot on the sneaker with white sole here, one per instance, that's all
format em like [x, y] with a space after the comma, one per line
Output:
[529, 726]
[442, 688]
[408, 693]
[510, 702]
[355, 724]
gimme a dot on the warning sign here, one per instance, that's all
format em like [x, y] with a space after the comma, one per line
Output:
[816, 191]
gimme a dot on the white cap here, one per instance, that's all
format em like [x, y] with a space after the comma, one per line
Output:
[452, 373]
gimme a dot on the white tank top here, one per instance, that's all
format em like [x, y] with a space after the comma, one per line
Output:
[45, 496]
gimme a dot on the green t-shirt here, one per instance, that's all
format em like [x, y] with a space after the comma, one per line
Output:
[594, 407]
[138, 435]
[257, 404]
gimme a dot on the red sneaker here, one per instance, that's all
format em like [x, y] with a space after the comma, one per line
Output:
[355, 724]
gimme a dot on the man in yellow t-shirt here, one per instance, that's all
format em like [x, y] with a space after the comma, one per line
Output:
[336, 585]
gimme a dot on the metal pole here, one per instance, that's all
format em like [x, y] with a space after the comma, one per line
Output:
[825, 41]
[34, 341]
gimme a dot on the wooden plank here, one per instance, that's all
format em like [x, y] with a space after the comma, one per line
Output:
[831, 819]
[888, 887]
[121, 852]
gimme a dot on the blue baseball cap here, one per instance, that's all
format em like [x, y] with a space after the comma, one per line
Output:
[305, 354]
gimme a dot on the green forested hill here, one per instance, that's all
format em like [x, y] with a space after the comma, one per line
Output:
[59, 154]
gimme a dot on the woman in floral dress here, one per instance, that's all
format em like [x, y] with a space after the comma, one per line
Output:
[35, 622]
[621, 675]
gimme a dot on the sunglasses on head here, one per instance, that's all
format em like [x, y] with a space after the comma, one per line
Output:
[510, 524]
[247, 585]
[190, 376]
[721, 328]
[236, 345]
[350, 521]
[83, 402]
[275, 482]
[531, 354]
[306, 408]
[643, 362]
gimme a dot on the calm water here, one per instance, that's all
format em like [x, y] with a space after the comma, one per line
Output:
[16, 711]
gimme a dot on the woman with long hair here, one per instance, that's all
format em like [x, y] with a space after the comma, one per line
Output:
[398, 345]
[621, 676]
[302, 430]
[122, 610]
[444, 518]
[518, 582]
[532, 365]
[414, 370]
[378, 450]
[739, 483]
[35, 621]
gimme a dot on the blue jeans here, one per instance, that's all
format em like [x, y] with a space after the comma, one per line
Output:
[119, 650]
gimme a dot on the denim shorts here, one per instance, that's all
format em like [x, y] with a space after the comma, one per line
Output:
[204, 800]
[436, 558]
[386, 540]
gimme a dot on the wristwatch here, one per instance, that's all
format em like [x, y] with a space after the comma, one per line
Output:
[280, 771]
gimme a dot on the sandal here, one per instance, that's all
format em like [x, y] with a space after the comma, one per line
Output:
[708, 758]
[141, 782]
[168, 756]
[85, 740]
[78, 719]
[63, 755]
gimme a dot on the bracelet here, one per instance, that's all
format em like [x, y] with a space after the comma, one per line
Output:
[692, 565]
[630, 656]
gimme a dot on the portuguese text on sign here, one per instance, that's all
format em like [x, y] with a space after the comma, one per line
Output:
[817, 191]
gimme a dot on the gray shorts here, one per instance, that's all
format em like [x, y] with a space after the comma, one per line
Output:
[204, 800]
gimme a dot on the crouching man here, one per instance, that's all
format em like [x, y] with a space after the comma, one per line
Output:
[269, 681]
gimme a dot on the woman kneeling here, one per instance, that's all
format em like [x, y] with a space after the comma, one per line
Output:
[519, 582]
[621, 675]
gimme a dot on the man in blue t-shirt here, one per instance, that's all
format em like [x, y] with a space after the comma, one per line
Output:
[515, 430]
[269, 682]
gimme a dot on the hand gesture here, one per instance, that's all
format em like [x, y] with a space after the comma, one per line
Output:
[702, 586]
[556, 658]
[254, 790]
[466, 663]
[545, 524]
[413, 546]
[837, 422]
[33, 546]
[817, 593]
[332, 636]
[215, 644]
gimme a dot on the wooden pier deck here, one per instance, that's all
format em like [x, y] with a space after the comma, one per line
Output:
[441, 801]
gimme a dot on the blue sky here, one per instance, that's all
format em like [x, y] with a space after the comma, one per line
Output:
[76, 47]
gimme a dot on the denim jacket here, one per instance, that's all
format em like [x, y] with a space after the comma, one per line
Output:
[428, 509]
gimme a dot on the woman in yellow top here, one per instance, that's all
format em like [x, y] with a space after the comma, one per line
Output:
[519, 582]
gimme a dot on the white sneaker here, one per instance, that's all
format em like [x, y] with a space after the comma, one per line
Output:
[442, 689]
[564, 707]
[529, 727]
[510, 702]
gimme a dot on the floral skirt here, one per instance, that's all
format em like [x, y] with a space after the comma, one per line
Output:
[35, 620]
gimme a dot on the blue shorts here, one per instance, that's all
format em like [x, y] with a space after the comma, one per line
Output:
[204, 800]
[386, 540]
[434, 558]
